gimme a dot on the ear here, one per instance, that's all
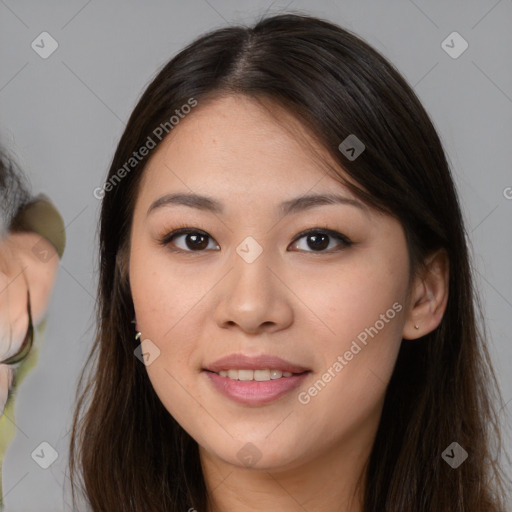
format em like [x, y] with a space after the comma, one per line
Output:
[429, 296]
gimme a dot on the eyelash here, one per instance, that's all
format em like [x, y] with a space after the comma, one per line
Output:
[183, 229]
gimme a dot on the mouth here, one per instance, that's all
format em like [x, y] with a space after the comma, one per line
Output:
[254, 381]
[260, 375]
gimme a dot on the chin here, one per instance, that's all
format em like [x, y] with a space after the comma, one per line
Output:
[257, 454]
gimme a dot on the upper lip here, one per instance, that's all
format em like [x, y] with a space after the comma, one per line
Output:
[261, 362]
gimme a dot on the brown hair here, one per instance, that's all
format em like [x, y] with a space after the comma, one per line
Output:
[132, 454]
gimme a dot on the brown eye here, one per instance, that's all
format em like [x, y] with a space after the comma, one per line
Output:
[318, 240]
[194, 240]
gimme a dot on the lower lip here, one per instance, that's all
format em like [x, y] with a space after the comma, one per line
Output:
[253, 392]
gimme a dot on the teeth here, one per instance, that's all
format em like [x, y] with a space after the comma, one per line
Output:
[245, 375]
[276, 374]
[259, 375]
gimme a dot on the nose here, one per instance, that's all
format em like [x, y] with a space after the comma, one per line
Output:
[254, 296]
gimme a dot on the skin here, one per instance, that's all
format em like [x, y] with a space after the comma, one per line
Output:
[293, 301]
[20, 269]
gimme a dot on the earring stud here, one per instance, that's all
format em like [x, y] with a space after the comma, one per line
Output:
[138, 333]
[416, 326]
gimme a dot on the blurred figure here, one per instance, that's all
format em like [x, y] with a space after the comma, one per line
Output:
[31, 244]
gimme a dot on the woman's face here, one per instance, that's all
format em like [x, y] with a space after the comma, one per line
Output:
[250, 285]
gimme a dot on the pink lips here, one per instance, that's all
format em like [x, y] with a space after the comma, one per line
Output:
[254, 392]
[241, 362]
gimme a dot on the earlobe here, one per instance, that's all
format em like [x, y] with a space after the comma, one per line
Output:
[429, 297]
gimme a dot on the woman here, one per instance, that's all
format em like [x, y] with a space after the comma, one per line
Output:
[32, 240]
[280, 223]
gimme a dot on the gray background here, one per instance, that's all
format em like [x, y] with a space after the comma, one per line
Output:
[62, 118]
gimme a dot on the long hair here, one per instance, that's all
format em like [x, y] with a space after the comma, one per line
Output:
[131, 453]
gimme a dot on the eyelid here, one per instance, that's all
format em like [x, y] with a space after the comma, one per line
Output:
[166, 239]
[327, 231]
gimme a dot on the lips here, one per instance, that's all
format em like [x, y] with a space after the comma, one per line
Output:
[261, 362]
[256, 391]
[285, 376]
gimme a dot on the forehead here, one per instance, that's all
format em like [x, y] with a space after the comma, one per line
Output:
[235, 147]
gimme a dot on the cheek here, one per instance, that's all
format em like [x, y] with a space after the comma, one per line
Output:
[166, 306]
[165, 295]
[359, 314]
[349, 298]
[170, 307]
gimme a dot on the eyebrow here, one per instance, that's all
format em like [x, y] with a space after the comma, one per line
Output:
[288, 207]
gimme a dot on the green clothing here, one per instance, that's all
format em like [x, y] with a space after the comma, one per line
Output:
[8, 420]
